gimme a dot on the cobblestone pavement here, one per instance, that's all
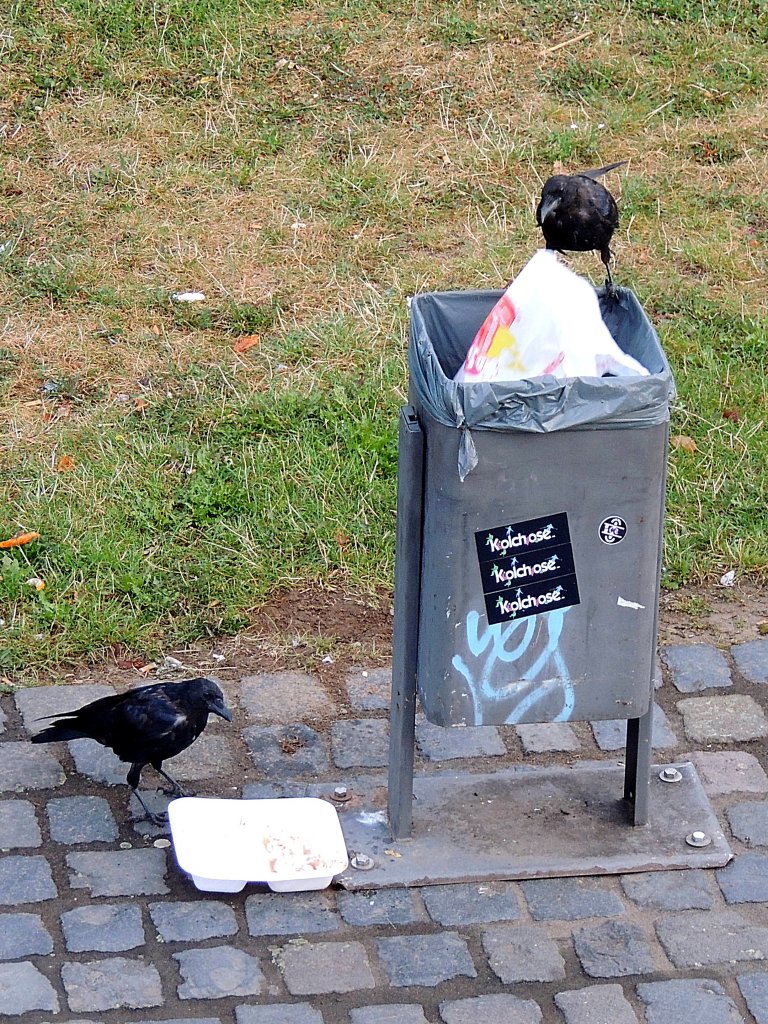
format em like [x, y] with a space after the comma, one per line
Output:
[99, 924]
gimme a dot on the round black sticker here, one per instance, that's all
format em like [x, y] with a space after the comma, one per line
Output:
[613, 530]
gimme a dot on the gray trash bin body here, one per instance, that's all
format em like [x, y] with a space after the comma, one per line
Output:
[541, 532]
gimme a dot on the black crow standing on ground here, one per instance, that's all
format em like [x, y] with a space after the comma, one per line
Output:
[576, 213]
[144, 726]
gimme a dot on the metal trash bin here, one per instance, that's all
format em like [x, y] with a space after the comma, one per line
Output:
[531, 514]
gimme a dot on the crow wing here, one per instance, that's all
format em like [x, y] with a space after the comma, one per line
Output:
[144, 725]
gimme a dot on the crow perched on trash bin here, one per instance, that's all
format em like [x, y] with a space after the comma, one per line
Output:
[144, 726]
[576, 213]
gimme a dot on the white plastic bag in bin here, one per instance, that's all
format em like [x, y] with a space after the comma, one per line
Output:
[547, 322]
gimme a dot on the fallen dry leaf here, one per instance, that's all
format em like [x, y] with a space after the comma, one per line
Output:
[683, 441]
[732, 413]
[140, 406]
[341, 538]
[65, 464]
[246, 341]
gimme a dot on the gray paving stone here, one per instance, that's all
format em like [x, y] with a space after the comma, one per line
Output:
[192, 922]
[694, 667]
[282, 698]
[98, 763]
[615, 949]
[105, 928]
[114, 984]
[81, 819]
[734, 718]
[360, 743]
[119, 872]
[393, 1013]
[25, 880]
[471, 902]
[319, 968]
[285, 751]
[24, 766]
[669, 890]
[278, 1013]
[749, 822]
[754, 988]
[369, 689]
[174, 1020]
[439, 744]
[568, 899]
[382, 906]
[425, 959]
[18, 825]
[752, 660]
[729, 771]
[700, 938]
[498, 1009]
[218, 972]
[23, 988]
[213, 755]
[538, 739]
[36, 702]
[23, 935]
[294, 913]
[745, 879]
[596, 1004]
[612, 735]
[697, 999]
[519, 953]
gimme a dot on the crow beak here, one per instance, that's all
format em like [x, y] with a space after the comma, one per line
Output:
[547, 206]
[221, 710]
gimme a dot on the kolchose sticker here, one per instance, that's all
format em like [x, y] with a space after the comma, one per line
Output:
[527, 568]
[613, 530]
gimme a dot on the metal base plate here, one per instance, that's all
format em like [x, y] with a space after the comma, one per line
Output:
[528, 823]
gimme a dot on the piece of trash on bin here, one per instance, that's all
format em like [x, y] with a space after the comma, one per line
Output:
[36, 582]
[728, 579]
[188, 296]
[548, 321]
[623, 603]
[19, 539]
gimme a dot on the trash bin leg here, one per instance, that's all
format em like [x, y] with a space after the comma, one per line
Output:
[402, 716]
[637, 772]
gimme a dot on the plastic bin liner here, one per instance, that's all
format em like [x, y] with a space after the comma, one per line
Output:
[443, 325]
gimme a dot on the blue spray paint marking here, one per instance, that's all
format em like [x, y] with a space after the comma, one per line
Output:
[493, 645]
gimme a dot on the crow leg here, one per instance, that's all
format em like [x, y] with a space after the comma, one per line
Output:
[176, 788]
[133, 781]
[156, 819]
[610, 287]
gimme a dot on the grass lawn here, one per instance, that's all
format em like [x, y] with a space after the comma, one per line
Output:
[308, 166]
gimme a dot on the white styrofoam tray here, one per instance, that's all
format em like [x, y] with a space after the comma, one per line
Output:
[291, 844]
